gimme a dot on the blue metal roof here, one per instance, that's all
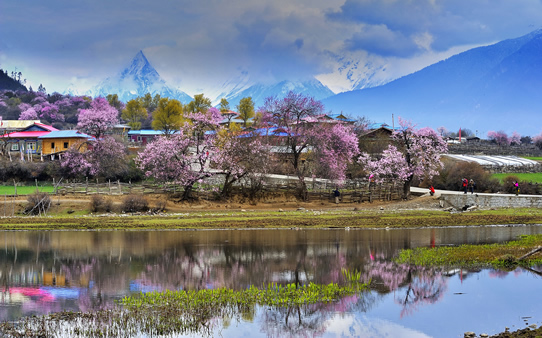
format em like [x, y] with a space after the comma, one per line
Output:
[66, 134]
[146, 132]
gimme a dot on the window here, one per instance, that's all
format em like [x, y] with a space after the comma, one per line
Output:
[15, 146]
[65, 145]
[52, 146]
[139, 139]
[31, 146]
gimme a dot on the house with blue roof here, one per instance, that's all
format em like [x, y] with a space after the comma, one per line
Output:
[58, 141]
[144, 136]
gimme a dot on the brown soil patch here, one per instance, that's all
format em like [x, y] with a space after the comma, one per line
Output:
[79, 203]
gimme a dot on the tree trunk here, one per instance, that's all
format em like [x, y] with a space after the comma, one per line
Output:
[406, 188]
[187, 192]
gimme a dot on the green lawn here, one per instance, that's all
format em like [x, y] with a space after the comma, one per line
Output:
[24, 190]
[527, 177]
[533, 158]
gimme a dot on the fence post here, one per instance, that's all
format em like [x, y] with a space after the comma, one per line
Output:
[109, 187]
[15, 186]
[120, 188]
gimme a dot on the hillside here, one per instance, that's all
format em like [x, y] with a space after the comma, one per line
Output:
[7, 83]
[495, 87]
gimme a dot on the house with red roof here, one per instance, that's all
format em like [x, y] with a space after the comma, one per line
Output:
[27, 140]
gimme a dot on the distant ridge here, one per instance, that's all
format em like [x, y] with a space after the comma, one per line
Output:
[497, 87]
[259, 92]
[7, 83]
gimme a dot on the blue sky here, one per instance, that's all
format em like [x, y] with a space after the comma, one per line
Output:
[198, 45]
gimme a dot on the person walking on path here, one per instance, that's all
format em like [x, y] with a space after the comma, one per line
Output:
[431, 190]
[465, 184]
[516, 187]
[472, 185]
[337, 194]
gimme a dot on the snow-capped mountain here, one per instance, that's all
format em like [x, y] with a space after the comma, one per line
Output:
[353, 74]
[495, 87]
[232, 87]
[259, 92]
[136, 80]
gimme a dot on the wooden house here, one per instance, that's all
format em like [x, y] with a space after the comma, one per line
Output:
[61, 140]
[27, 140]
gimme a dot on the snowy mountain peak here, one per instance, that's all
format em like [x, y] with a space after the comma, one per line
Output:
[141, 67]
[138, 79]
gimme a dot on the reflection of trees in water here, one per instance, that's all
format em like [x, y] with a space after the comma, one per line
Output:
[413, 286]
[310, 320]
[189, 264]
[425, 286]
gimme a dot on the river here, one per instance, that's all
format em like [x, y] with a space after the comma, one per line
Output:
[50, 271]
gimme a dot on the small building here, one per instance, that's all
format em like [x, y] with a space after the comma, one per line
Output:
[9, 126]
[144, 136]
[26, 140]
[61, 140]
[120, 129]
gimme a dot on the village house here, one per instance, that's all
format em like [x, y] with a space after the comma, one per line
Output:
[143, 136]
[27, 140]
[9, 126]
[61, 140]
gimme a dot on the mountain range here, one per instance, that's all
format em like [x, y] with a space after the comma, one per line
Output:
[496, 87]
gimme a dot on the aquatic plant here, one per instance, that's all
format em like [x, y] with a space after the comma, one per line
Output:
[505, 255]
[182, 311]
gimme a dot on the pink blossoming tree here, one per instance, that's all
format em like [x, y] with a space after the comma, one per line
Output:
[334, 149]
[104, 157]
[499, 137]
[97, 119]
[295, 118]
[239, 156]
[414, 154]
[515, 138]
[537, 140]
[183, 158]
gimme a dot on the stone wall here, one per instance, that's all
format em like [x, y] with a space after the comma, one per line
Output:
[488, 201]
[488, 148]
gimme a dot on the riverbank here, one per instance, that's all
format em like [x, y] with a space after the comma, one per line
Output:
[73, 212]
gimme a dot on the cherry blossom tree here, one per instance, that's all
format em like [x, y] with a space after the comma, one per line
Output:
[183, 158]
[414, 154]
[537, 140]
[499, 137]
[515, 138]
[105, 157]
[334, 149]
[296, 117]
[97, 119]
[239, 155]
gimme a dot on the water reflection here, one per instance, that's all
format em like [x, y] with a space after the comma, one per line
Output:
[43, 272]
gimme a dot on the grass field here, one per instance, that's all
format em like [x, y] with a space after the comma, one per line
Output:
[533, 158]
[527, 177]
[24, 190]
